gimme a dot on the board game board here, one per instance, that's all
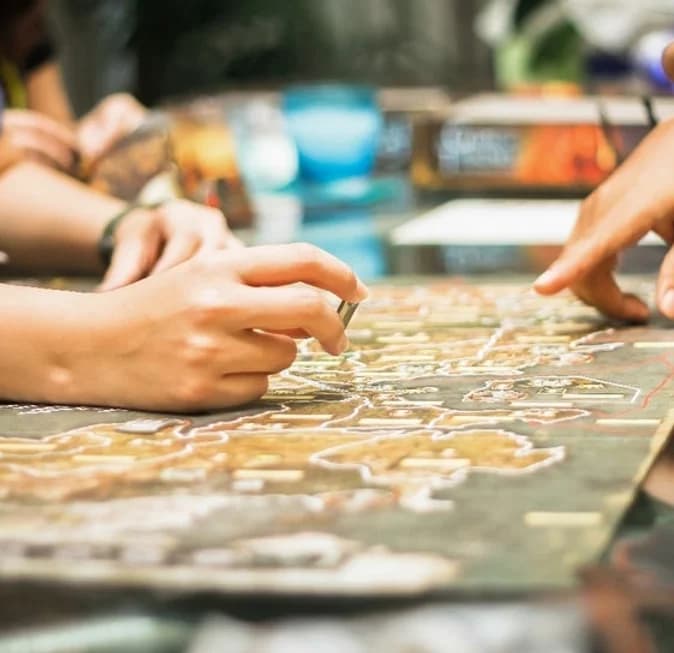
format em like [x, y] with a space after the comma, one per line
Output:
[474, 438]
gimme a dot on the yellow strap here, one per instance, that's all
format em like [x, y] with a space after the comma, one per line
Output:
[15, 89]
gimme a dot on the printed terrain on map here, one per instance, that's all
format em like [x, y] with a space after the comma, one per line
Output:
[474, 438]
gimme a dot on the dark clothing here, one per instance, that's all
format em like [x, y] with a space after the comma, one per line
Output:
[24, 46]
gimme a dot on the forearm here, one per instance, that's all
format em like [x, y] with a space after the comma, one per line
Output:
[50, 222]
[40, 333]
[47, 95]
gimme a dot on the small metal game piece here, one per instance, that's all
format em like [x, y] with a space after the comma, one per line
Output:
[346, 311]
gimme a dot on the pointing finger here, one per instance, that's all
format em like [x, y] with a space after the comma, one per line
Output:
[288, 264]
[665, 286]
[590, 247]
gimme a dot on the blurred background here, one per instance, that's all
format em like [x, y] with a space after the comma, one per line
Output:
[407, 137]
[161, 49]
[345, 122]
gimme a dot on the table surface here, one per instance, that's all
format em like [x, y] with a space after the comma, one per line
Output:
[637, 575]
[626, 604]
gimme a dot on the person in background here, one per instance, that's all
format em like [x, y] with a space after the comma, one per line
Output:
[146, 240]
[636, 199]
[39, 123]
[190, 320]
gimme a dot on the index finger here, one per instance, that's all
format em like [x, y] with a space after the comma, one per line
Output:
[619, 227]
[280, 265]
[292, 310]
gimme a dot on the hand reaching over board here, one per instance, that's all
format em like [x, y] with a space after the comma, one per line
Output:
[206, 334]
[636, 199]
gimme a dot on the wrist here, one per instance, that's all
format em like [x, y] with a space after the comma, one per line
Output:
[73, 347]
[108, 238]
[43, 359]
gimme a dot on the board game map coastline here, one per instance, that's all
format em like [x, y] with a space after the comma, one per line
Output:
[473, 439]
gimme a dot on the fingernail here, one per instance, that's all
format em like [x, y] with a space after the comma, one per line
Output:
[343, 344]
[546, 278]
[362, 292]
[668, 303]
[639, 312]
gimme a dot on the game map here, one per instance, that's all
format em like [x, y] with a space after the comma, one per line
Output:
[473, 439]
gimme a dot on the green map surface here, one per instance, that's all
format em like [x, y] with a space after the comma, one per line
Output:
[473, 439]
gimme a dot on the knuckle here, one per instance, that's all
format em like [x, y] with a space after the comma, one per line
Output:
[214, 306]
[216, 242]
[204, 307]
[204, 315]
[287, 352]
[198, 350]
[245, 390]
[192, 392]
[311, 303]
[309, 256]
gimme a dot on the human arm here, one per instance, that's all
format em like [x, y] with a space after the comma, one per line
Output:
[47, 133]
[46, 93]
[94, 134]
[30, 136]
[49, 222]
[110, 120]
[202, 336]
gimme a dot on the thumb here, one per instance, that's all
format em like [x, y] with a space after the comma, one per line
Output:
[665, 287]
[131, 260]
[90, 136]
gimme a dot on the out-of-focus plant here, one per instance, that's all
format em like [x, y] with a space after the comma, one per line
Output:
[538, 41]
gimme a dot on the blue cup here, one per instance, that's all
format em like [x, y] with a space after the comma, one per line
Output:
[336, 130]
